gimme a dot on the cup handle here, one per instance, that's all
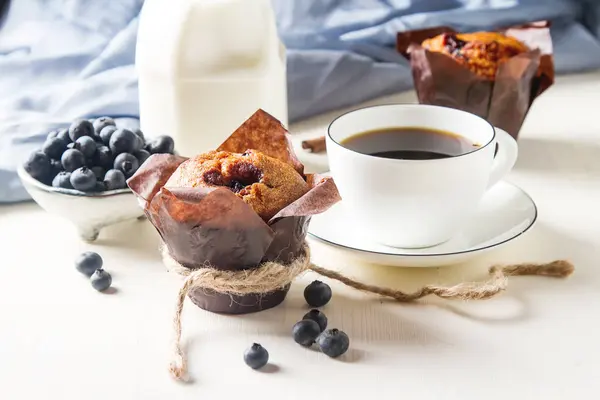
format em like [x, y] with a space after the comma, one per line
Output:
[505, 157]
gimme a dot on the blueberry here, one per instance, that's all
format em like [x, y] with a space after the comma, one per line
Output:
[317, 294]
[64, 135]
[99, 187]
[55, 167]
[102, 122]
[87, 263]
[51, 134]
[101, 280]
[161, 144]
[98, 172]
[62, 180]
[140, 134]
[106, 133]
[38, 166]
[236, 186]
[114, 179]
[103, 158]
[54, 147]
[140, 143]
[126, 163]
[71, 146]
[123, 141]
[256, 356]
[83, 179]
[86, 145]
[305, 332]
[72, 159]
[333, 342]
[318, 317]
[80, 128]
[141, 155]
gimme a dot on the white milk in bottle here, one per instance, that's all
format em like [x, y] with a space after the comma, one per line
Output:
[205, 66]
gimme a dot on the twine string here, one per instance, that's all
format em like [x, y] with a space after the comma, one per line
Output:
[271, 276]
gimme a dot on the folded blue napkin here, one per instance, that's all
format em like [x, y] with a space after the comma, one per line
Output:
[64, 60]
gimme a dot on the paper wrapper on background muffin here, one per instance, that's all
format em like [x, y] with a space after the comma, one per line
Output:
[505, 100]
[211, 225]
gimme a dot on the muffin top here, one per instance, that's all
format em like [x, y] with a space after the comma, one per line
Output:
[264, 183]
[480, 52]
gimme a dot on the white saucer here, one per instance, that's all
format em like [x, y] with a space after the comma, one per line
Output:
[505, 213]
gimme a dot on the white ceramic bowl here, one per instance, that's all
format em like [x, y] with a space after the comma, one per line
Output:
[89, 212]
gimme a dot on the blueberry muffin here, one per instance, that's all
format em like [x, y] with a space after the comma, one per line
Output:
[481, 52]
[264, 183]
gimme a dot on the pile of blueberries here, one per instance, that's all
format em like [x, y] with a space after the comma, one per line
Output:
[311, 329]
[93, 156]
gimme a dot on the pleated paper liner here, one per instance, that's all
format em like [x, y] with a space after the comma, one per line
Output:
[212, 226]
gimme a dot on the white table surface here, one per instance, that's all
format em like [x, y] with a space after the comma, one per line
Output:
[59, 339]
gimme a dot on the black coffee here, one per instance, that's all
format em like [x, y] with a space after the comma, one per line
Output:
[409, 143]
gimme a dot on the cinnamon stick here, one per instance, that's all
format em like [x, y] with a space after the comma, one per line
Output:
[316, 145]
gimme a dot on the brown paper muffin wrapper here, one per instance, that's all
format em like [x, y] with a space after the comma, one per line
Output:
[505, 101]
[212, 226]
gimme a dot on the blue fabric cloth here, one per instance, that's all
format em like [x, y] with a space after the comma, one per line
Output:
[60, 60]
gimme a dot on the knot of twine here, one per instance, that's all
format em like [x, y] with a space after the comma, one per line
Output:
[271, 276]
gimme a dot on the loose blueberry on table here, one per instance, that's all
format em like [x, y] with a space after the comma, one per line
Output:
[87, 263]
[256, 356]
[305, 332]
[317, 294]
[101, 280]
[333, 342]
[93, 155]
[318, 317]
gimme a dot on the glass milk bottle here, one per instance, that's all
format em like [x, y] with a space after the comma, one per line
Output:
[205, 66]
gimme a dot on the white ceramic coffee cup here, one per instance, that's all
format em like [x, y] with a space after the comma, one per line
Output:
[416, 203]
